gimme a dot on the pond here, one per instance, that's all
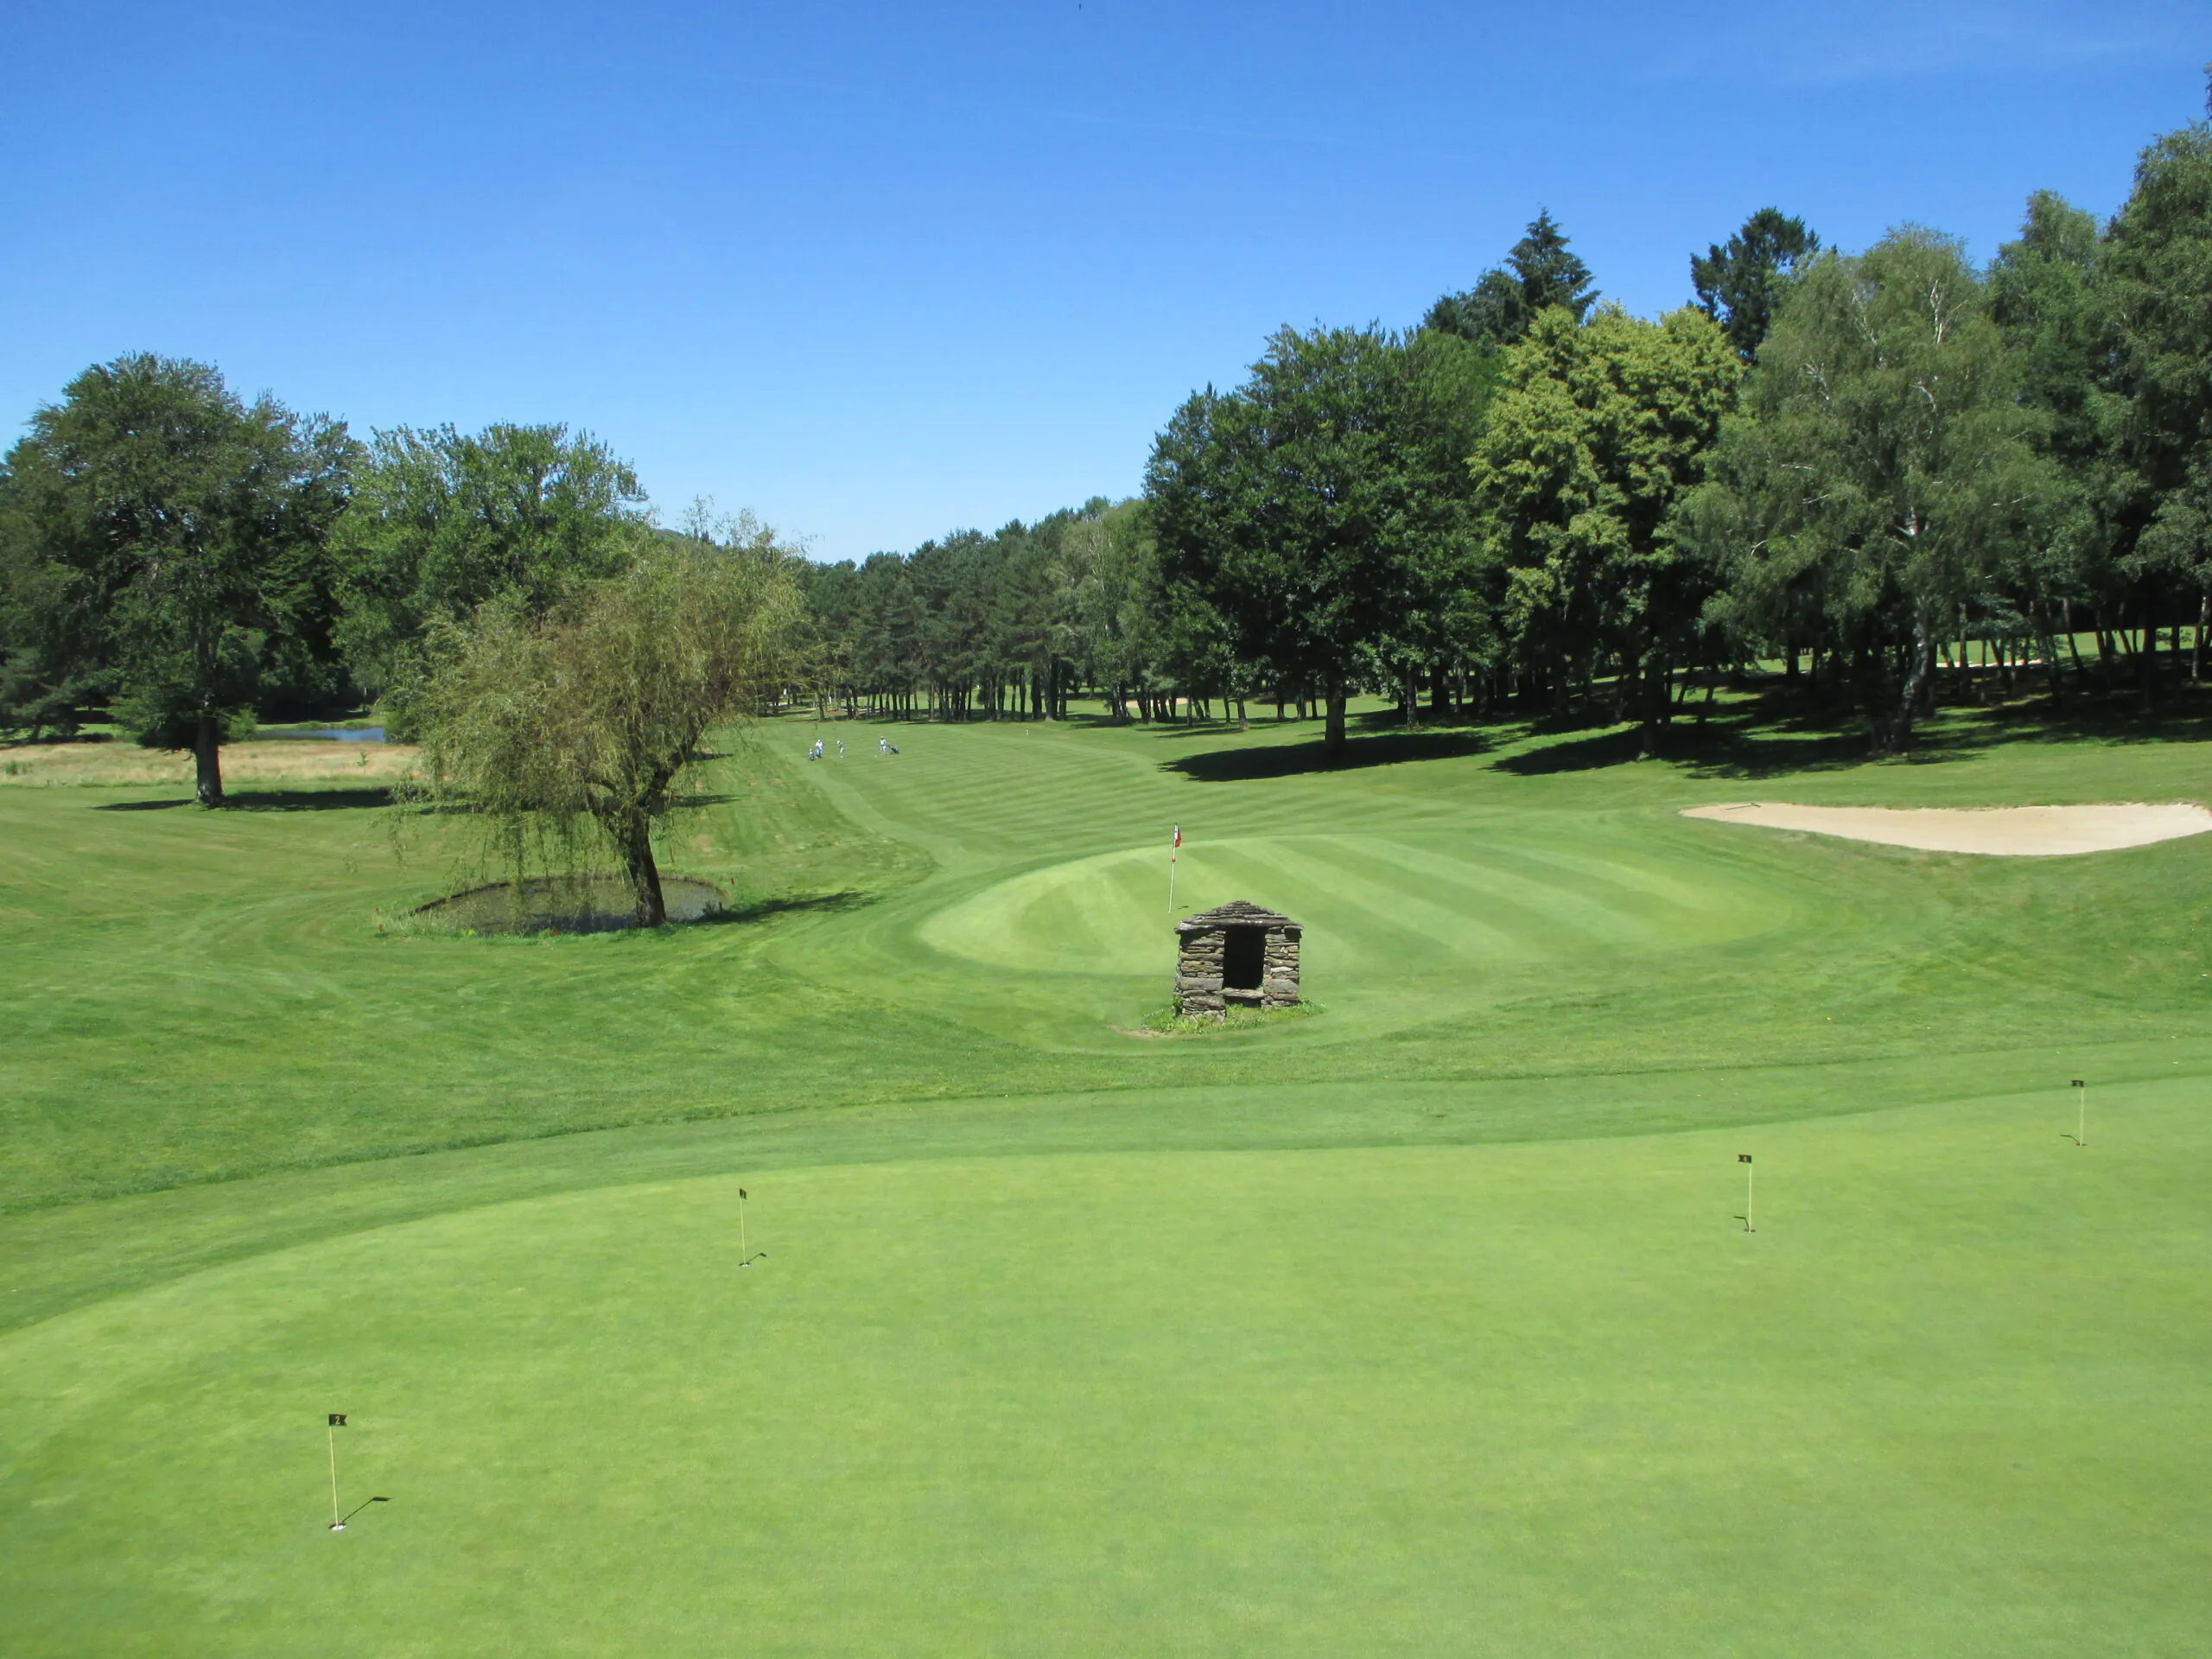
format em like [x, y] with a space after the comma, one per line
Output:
[328, 734]
[578, 904]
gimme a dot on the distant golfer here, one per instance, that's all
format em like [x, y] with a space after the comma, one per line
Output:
[814, 753]
[883, 746]
[841, 748]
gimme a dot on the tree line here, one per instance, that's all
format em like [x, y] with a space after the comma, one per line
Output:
[1863, 467]
[1859, 466]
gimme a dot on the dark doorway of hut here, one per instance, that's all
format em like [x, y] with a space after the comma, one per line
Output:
[1243, 959]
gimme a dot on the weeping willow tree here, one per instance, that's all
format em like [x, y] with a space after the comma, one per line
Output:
[567, 736]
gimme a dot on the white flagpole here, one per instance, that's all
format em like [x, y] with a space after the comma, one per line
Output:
[1175, 852]
[330, 1428]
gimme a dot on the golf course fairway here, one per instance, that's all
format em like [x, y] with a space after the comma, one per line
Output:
[1430, 1323]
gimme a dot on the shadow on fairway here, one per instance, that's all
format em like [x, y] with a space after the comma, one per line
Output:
[275, 800]
[307, 800]
[1743, 748]
[1286, 759]
[760, 910]
[2113, 718]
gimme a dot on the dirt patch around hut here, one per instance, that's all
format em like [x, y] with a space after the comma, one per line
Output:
[2004, 831]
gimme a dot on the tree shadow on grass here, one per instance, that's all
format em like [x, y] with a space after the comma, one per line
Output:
[1749, 746]
[274, 800]
[1288, 759]
[2113, 718]
[760, 910]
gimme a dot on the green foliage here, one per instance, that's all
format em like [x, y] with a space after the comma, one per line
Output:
[573, 730]
[1595, 431]
[1884, 460]
[443, 523]
[1540, 271]
[1738, 283]
[161, 532]
[1304, 518]
[2156, 276]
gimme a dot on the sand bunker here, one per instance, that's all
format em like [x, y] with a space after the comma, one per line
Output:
[2013, 831]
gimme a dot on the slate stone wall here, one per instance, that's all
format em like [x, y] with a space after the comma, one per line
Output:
[1198, 967]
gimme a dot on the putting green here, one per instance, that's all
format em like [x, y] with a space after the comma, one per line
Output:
[1374, 906]
[1507, 1400]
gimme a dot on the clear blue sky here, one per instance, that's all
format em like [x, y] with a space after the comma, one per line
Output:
[875, 272]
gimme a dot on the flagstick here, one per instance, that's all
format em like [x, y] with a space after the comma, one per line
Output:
[740, 1226]
[1751, 1179]
[2081, 1114]
[331, 1430]
[1173, 852]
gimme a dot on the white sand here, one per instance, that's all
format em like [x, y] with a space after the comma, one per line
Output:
[2015, 831]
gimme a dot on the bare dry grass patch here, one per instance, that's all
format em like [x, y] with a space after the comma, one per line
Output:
[287, 761]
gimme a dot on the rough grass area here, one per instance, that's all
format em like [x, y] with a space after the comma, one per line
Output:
[1428, 1327]
[289, 762]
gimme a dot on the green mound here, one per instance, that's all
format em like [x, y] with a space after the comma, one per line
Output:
[1374, 905]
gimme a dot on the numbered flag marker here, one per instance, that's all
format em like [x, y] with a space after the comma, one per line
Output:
[1745, 1158]
[744, 1258]
[337, 1422]
[2081, 1113]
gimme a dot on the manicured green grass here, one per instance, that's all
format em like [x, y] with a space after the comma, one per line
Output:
[1422, 1325]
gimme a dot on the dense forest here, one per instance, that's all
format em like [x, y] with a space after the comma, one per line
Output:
[1864, 468]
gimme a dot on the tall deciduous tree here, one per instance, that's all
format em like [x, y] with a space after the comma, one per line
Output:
[1737, 281]
[2045, 295]
[1293, 515]
[2155, 275]
[1594, 432]
[1883, 454]
[179, 527]
[574, 728]
[443, 522]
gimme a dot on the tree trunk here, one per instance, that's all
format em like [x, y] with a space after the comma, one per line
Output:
[634, 833]
[207, 762]
[2147, 657]
[1920, 665]
[1332, 736]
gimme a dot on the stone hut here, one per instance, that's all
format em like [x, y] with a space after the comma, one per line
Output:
[1236, 953]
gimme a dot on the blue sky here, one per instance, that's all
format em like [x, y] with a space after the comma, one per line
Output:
[876, 271]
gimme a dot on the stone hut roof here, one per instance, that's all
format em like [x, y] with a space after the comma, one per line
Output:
[1238, 913]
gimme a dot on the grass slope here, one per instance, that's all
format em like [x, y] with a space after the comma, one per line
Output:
[1421, 1326]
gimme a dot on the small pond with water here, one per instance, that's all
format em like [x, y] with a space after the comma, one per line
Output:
[581, 903]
